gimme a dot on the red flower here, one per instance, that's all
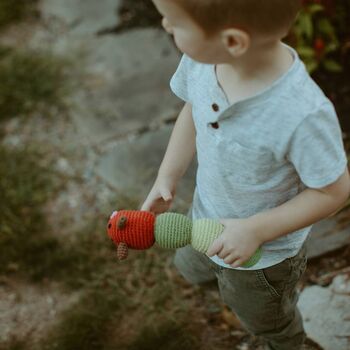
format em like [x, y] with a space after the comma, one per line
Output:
[319, 45]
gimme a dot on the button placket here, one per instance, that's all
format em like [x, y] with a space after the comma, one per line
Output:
[215, 107]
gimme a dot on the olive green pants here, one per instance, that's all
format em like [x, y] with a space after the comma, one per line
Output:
[263, 300]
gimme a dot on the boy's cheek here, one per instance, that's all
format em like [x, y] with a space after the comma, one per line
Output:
[187, 46]
[166, 25]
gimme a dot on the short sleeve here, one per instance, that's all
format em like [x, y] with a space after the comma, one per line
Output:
[316, 149]
[179, 81]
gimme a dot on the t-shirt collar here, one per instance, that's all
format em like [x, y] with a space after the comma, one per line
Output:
[262, 97]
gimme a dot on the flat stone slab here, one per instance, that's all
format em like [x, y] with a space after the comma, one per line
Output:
[326, 313]
[124, 81]
[83, 17]
[131, 166]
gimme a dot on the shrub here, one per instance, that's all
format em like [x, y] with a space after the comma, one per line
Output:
[321, 34]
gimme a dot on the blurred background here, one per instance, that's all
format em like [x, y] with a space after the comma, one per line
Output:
[86, 113]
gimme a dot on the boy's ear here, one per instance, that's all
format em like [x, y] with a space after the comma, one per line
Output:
[236, 41]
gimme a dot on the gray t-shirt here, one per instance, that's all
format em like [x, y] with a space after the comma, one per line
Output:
[262, 151]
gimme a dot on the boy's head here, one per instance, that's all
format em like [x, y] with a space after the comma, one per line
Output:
[202, 25]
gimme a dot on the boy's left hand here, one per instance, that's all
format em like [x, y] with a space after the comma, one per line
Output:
[237, 243]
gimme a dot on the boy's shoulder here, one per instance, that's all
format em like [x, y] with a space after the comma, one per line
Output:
[293, 97]
[307, 94]
[296, 86]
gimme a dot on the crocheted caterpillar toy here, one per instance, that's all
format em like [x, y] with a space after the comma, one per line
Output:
[137, 229]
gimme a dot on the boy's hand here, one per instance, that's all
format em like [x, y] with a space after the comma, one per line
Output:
[237, 243]
[161, 195]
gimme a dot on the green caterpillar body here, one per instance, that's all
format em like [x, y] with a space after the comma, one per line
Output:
[173, 230]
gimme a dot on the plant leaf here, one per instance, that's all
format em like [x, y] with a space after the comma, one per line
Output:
[311, 65]
[306, 51]
[332, 65]
[305, 22]
[313, 8]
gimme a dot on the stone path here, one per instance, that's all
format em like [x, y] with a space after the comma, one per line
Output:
[326, 313]
[122, 115]
[123, 103]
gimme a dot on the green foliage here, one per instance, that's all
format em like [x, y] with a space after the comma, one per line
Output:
[319, 34]
[31, 81]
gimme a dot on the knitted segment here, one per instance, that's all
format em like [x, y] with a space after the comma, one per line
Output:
[172, 230]
[253, 259]
[137, 231]
[204, 232]
[122, 251]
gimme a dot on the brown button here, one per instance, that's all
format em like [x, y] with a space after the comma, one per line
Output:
[215, 125]
[215, 107]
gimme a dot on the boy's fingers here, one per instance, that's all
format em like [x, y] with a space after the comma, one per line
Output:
[237, 263]
[166, 194]
[214, 248]
[230, 259]
[146, 206]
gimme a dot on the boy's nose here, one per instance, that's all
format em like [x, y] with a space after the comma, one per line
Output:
[167, 26]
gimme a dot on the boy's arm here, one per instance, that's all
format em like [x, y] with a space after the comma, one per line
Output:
[241, 237]
[316, 151]
[303, 210]
[181, 147]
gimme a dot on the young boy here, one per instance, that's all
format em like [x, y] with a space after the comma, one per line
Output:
[271, 160]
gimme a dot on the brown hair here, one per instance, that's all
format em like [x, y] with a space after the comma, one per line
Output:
[253, 16]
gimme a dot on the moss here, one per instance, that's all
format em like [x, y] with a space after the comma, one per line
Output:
[25, 187]
[27, 245]
[84, 326]
[166, 335]
[31, 81]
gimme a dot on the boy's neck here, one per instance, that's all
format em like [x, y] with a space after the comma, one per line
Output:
[253, 73]
[265, 64]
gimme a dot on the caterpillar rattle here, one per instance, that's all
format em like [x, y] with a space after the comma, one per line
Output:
[137, 229]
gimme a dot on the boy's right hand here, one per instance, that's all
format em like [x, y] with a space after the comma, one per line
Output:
[161, 196]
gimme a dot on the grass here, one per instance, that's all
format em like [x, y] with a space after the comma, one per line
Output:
[28, 249]
[84, 327]
[31, 81]
[14, 11]
[25, 187]
[125, 305]
[128, 306]
[168, 335]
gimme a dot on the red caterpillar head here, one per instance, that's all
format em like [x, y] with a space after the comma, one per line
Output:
[131, 229]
